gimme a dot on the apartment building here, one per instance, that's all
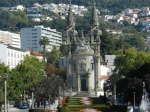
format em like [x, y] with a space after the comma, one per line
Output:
[11, 56]
[8, 38]
[30, 38]
[148, 42]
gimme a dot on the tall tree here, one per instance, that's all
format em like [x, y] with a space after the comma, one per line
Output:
[63, 49]
[54, 56]
[107, 43]
[27, 73]
[43, 42]
[3, 69]
[129, 60]
[48, 89]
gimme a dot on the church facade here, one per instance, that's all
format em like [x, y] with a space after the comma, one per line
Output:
[83, 57]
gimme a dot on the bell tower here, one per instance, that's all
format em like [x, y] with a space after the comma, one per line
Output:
[95, 34]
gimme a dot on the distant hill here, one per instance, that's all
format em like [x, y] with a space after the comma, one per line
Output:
[112, 4]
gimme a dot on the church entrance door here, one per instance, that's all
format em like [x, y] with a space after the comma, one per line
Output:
[83, 85]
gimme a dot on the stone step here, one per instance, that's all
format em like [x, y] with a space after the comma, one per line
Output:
[82, 94]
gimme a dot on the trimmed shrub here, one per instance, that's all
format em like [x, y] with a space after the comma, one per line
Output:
[109, 103]
[119, 108]
[67, 99]
[40, 110]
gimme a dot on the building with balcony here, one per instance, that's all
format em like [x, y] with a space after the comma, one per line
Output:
[11, 39]
[30, 38]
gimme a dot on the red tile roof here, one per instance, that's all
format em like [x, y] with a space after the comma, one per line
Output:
[104, 77]
[35, 53]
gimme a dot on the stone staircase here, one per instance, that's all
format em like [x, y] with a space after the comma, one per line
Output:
[84, 94]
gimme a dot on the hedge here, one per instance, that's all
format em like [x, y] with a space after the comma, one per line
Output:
[40, 110]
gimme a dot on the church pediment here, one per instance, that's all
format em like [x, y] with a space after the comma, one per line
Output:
[85, 49]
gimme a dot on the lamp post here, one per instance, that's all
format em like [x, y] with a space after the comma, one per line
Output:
[64, 91]
[134, 100]
[114, 94]
[32, 89]
[5, 75]
[21, 98]
[59, 96]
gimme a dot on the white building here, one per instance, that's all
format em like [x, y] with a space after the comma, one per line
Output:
[20, 7]
[11, 56]
[35, 15]
[12, 39]
[145, 23]
[128, 11]
[110, 59]
[148, 42]
[30, 38]
[105, 73]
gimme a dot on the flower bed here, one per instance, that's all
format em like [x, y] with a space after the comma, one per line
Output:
[85, 101]
[88, 110]
[63, 101]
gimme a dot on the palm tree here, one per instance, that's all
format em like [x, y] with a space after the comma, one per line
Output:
[44, 41]
[63, 49]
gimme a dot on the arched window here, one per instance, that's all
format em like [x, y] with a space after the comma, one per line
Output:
[95, 38]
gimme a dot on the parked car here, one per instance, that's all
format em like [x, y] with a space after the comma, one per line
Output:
[24, 106]
[16, 104]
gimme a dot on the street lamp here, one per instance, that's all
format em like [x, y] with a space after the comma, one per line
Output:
[5, 75]
[21, 98]
[32, 89]
[134, 100]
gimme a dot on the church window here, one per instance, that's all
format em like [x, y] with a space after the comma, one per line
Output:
[70, 36]
[81, 65]
[62, 61]
[94, 38]
[92, 66]
[74, 67]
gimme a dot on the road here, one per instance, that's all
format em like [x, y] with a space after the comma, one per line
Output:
[16, 110]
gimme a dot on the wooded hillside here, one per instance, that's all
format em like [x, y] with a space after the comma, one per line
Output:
[101, 3]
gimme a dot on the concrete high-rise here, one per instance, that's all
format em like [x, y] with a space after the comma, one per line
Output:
[30, 38]
[11, 39]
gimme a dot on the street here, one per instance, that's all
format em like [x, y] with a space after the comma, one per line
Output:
[13, 109]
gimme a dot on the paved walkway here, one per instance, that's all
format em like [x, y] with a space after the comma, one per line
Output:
[16, 110]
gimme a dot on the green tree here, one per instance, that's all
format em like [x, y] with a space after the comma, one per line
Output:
[61, 72]
[63, 49]
[120, 43]
[107, 43]
[128, 60]
[16, 85]
[54, 56]
[43, 42]
[48, 89]
[50, 69]
[3, 69]
[26, 74]
[20, 16]
[110, 85]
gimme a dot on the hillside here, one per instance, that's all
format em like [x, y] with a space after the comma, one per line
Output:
[112, 4]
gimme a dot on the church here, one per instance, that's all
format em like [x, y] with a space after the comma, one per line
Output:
[83, 58]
